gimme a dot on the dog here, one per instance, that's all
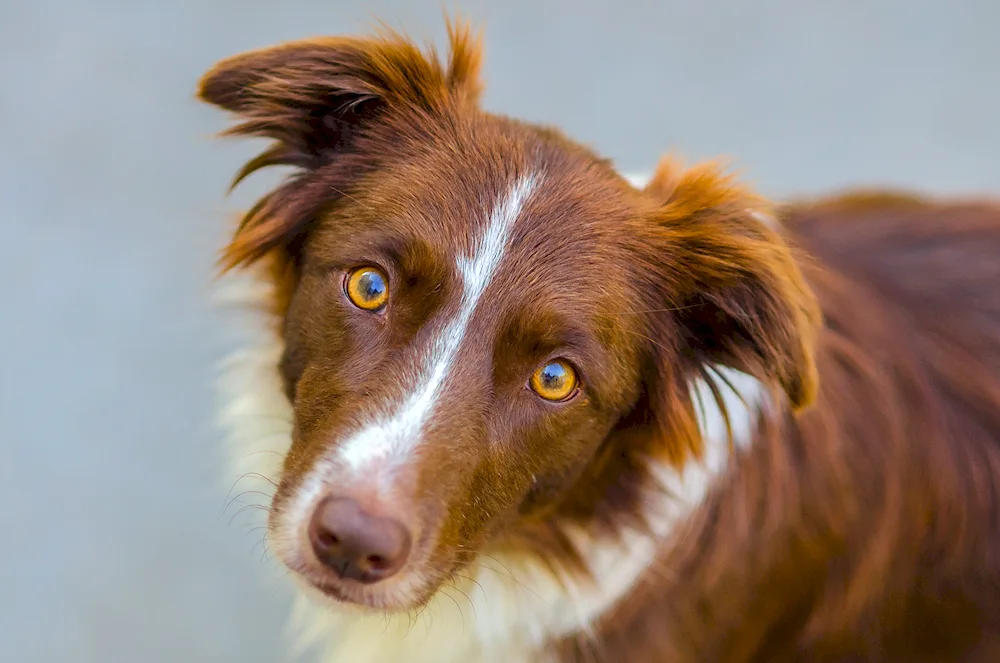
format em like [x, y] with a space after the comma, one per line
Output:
[517, 407]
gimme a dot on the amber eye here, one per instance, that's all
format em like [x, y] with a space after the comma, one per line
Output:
[367, 288]
[555, 381]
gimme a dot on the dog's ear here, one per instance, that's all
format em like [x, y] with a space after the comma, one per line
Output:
[316, 98]
[728, 288]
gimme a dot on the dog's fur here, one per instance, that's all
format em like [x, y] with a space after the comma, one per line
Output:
[786, 445]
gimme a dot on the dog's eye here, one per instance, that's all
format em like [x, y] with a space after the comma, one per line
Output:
[555, 381]
[367, 288]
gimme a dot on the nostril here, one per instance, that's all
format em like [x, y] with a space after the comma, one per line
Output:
[355, 544]
[328, 539]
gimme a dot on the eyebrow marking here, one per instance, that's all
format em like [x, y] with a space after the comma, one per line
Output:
[396, 436]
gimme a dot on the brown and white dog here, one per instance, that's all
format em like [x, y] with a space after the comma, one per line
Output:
[518, 408]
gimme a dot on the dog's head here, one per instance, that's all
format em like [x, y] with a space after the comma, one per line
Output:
[488, 332]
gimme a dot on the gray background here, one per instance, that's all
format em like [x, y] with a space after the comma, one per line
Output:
[111, 209]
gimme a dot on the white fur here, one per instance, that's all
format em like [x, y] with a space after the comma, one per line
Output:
[392, 439]
[509, 606]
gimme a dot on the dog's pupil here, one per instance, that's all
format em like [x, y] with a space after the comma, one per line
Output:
[372, 285]
[553, 375]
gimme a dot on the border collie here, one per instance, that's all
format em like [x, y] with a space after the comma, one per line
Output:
[516, 407]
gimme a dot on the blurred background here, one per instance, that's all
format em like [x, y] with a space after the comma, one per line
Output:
[112, 208]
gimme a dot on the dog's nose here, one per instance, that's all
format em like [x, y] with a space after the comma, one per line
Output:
[355, 544]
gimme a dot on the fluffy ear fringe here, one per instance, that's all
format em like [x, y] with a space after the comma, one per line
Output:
[737, 294]
[313, 98]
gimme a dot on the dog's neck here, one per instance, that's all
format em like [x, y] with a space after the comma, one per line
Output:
[505, 607]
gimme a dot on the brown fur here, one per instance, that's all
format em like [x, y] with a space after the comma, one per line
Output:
[864, 521]
[868, 527]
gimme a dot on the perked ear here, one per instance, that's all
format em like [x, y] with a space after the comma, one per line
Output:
[733, 286]
[316, 97]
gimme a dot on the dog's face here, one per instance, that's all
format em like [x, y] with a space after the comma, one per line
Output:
[487, 330]
[456, 348]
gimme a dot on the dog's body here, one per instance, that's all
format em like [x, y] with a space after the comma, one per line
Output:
[731, 478]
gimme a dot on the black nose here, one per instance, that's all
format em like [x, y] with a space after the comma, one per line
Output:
[355, 544]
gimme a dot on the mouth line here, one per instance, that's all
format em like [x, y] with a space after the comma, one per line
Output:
[336, 593]
[344, 596]
[365, 597]
[361, 599]
[346, 593]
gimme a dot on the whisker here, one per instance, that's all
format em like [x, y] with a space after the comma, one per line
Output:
[279, 454]
[257, 440]
[249, 506]
[409, 623]
[263, 541]
[265, 551]
[507, 572]
[474, 581]
[266, 416]
[472, 605]
[242, 494]
[254, 529]
[388, 622]
[226, 499]
[425, 608]
[509, 575]
[457, 605]
[261, 476]
[516, 581]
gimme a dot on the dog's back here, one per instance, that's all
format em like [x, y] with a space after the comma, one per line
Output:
[892, 478]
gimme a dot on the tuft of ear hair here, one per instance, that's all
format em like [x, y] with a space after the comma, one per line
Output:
[314, 98]
[736, 293]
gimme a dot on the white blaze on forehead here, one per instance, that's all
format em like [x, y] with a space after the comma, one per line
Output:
[393, 437]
